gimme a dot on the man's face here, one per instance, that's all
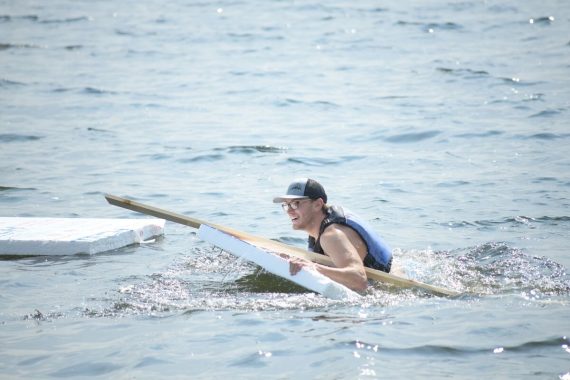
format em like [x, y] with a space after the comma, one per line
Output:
[300, 213]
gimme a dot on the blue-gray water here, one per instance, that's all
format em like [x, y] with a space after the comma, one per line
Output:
[445, 124]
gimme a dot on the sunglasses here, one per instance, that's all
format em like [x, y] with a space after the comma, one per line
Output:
[294, 205]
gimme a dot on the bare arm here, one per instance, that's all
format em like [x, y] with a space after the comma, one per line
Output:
[349, 269]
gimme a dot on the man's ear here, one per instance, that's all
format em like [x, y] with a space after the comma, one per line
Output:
[319, 203]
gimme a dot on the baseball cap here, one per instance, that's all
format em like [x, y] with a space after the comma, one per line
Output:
[303, 188]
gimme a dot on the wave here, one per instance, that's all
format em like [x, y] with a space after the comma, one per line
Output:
[64, 20]
[548, 113]
[453, 183]
[99, 130]
[468, 73]
[543, 20]
[73, 47]
[249, 149]
[121, 32]
[464, 72]
[432, 349]
[295, 102]
[252, 37]
[7, 83]
[412, 137]
[310, 161]
[221, 153]
[432, 26]
[265, 73]
[497, 268]
[12, 188]
[8, 18]
[544, 136]
[515, 221]
[202, 158]
[491, 133]
[554, 219]
[6, 46]
[518, 82]
[16, 137]
[38, 19]
[96, 91]
[9, 46]
[85, 90]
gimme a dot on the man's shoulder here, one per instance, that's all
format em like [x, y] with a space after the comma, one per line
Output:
[343, 237]
[336, 230]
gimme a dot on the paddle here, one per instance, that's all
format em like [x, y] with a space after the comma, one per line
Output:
[272, 244]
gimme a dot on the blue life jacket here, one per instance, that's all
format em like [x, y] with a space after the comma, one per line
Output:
[379, 255]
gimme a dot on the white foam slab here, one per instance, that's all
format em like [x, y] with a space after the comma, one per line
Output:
[273, 263]
[69, 236]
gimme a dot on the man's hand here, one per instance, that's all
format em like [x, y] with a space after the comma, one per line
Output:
[296, 264]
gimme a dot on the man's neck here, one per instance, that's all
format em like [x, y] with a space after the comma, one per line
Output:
[315, 227]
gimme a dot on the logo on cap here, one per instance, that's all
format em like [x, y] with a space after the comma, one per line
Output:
[296, 187]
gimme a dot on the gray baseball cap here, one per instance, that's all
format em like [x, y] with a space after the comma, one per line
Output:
[303, 188]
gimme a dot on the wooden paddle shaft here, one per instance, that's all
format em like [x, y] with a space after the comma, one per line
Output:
[271, 245]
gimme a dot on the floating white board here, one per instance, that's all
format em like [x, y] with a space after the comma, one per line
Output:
[273, 263]
[69, 236]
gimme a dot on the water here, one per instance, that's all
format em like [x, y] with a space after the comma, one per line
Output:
[444, 124]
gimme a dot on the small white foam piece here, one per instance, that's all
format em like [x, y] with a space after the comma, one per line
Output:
[273, 263]
[70, 236]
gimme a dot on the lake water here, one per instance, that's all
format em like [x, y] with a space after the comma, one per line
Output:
[444, 124]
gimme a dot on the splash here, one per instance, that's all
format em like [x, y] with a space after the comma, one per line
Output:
[491, 268]
[211, 280]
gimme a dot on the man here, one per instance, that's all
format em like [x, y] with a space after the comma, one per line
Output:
[335, 232]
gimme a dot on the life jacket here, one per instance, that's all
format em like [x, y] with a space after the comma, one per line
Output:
[379, 255]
